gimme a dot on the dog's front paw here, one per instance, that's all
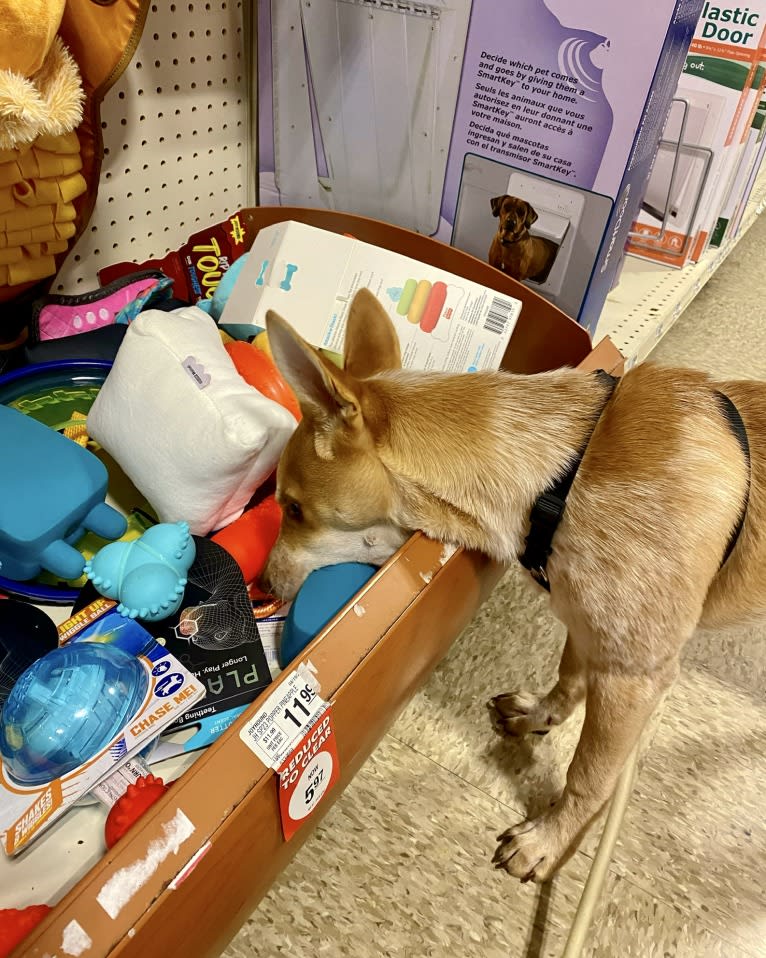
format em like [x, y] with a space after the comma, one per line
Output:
[517, 713]
[528, 851]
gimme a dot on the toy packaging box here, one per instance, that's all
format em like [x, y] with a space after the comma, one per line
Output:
[748, 161]
[444, 322]
[423, 114]
[26, 810]
[752, 173]
[705, 135]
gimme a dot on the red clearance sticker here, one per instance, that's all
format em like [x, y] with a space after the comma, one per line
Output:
[307, 774]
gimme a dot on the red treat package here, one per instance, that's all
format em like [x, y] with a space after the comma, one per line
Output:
[197, 267]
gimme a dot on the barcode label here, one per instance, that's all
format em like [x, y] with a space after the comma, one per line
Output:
[286, 714]
[498, 315]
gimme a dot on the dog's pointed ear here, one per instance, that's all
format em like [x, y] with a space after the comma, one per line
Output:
[497, 204]
[372, 345]
[323, 390]
[531, 216]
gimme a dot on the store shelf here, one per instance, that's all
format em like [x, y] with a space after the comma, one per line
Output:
[650, 298]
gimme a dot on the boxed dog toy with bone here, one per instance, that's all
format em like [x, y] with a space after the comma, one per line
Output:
[444, 322]
[521, 132]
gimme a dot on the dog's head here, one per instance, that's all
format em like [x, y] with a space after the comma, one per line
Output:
[515, 217]
[334, 491]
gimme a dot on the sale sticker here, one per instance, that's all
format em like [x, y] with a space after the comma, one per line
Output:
[307, 774]
[280, 723]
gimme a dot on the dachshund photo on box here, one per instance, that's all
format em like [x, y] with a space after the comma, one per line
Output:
[513, 250]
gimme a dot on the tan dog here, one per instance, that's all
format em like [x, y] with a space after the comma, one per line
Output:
[513, 250]
[636, 561]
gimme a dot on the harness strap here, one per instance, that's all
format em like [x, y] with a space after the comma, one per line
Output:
[549, 507]
[737, 425]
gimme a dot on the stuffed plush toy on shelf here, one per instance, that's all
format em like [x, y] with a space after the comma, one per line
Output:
[41, 104]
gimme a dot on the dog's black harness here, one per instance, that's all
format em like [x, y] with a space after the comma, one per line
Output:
[549, 507]
[734, 419]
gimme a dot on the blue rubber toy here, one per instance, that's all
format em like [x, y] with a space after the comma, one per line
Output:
[215, 305]
[147, 576]
[322, 596]
[67, 707]
[51, 491]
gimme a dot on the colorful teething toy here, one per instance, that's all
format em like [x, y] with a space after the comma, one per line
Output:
[148, 576]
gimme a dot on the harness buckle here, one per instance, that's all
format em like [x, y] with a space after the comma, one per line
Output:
[547, 511]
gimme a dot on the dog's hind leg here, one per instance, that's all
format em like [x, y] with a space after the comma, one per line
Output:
[517, 713]
[616, 709]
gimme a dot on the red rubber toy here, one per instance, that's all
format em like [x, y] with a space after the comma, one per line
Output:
[127, 810]
[250, 539]
[260, 371]
[16, 924]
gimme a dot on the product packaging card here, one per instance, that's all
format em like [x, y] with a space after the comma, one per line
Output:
[215, 636]
[702, 142]
[444, 322]
[556, 106]
[26, 810]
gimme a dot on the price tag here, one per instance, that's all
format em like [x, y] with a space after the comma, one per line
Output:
[307, 774]
[284, 717]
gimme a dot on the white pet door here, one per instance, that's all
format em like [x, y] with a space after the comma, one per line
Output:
[377, 82]
[683, 160]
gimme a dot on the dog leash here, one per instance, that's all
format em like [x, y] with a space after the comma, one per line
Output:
[548, 508]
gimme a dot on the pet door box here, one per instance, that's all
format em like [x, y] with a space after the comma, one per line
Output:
[747, 162]
[704, 136]
[309, 276]
[422, 113]
[752, 174]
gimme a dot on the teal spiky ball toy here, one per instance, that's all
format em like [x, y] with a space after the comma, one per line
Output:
[148, 576]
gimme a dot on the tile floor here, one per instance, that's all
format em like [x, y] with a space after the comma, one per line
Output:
[400, 866]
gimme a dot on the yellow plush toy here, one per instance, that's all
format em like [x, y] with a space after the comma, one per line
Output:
[41, 103]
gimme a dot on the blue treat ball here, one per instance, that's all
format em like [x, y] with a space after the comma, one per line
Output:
[321, 597]
[66, 707]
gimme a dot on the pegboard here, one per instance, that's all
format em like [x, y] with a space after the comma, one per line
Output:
[176, 139]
